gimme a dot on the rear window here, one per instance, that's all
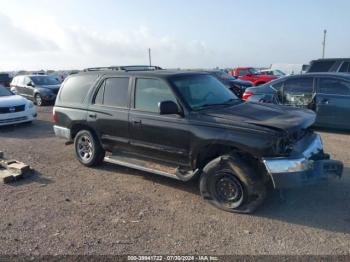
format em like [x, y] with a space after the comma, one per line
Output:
[76, 88]
[321, 66]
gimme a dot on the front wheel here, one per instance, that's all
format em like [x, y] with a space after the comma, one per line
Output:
[38, 100]
[231, 185]
[88, 150]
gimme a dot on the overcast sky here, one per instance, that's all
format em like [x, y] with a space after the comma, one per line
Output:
[65, 34]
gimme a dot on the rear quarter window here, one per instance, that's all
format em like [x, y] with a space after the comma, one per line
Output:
[75, 89]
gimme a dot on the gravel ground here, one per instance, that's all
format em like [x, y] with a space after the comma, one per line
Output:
[66, 208]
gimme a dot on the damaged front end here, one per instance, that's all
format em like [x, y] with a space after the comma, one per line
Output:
[305, 164]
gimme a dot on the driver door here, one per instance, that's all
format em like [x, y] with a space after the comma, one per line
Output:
[156, 136]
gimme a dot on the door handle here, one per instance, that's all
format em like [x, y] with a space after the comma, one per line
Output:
[325, 101]
[92, 115]
[137, 122]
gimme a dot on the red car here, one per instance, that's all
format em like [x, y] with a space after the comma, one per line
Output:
[252, 75]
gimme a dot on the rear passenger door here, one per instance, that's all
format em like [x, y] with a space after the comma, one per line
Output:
[333, 102]
[164, 137]
[109, 112]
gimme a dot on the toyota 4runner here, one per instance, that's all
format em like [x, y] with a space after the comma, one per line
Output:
[186, 125]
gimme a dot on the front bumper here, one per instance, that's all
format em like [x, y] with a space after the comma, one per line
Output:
[306, 165]
[49, 97]
[19, 117]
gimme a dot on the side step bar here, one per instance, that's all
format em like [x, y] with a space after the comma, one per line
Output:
[141, 165]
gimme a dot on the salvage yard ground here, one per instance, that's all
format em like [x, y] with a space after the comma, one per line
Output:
[65, 208]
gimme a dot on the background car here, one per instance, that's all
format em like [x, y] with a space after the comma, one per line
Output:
[251, 74]
[236, 85]
[341, 65]
[39, 88]
[328, 94]
[15, 109]
[5, 80]
[272, 72]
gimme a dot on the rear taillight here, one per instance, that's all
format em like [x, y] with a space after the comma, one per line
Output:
[54, 116]
[246, 95]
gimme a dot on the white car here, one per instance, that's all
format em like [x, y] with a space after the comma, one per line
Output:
[15, 109]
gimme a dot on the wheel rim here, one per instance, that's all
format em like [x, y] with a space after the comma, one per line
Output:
[229, 190]
[85, 148]
[38, 100]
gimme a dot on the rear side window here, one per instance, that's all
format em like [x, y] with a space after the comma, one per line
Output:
[334, 86]
[345, 68]
[76, 88]
[113, 92]
[321, 66]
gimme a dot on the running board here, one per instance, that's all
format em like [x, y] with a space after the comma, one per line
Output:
[151, 167]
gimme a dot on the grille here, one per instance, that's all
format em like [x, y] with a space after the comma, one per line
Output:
[12, 120]
[12, 109]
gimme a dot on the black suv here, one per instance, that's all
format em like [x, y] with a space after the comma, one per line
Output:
[183, 125]
[39, 88]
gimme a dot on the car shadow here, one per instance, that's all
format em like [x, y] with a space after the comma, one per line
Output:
[324, 206]
[36, 129]
[332, 130]
[32, 177]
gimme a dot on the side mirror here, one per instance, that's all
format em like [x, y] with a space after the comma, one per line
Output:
[168, 108]
[30, 84]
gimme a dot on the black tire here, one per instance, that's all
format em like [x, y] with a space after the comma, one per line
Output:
[88, 149]
[231, 185]
[38, 100]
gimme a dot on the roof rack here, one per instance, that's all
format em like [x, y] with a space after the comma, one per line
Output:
[125, 68]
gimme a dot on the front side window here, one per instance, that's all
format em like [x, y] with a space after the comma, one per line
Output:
[298, 92]
[149, 92]
[202, 91]
[334, 86]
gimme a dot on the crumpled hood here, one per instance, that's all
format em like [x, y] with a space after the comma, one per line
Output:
[15, 100]
[265, 115]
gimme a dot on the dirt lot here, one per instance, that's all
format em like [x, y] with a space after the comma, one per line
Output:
[68, 209]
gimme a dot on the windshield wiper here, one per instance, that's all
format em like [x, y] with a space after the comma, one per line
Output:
[226, 103]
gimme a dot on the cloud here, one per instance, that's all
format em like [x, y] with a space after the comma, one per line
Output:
[17, 40]
[41, 42]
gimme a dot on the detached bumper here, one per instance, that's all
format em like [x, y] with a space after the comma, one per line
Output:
[309, 167]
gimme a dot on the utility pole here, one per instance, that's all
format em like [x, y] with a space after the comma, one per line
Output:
[324, 42]
[149, 57]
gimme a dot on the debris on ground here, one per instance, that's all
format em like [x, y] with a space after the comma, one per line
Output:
[12, 170]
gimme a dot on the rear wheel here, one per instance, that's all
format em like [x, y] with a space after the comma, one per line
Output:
[88, 150]
[230, 184]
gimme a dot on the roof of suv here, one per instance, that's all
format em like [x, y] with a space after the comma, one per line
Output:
[147, 73]
[336, 74]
